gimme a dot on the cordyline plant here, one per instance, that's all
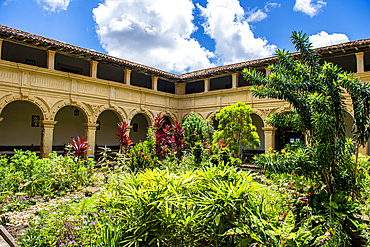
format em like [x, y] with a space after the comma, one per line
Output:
[123, 138]
[79, 147]
[316, 93]
[168, 138]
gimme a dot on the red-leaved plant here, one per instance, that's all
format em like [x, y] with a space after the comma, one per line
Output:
[124, 140]
[178, 138]
[79, 147]
[168, 138]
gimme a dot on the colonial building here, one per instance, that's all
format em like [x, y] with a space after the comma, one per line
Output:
[51, 91]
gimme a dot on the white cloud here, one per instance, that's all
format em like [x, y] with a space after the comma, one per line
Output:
[235, 42]
[54, 5]
[324, 39]
[156, 33]
[258, 15]
[308, 7]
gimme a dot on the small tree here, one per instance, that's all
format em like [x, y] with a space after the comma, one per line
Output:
[194, 127]
[236, 128]
[316, 93]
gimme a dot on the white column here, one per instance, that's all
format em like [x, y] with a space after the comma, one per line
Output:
[90, 130]
[1, 46]
[50, 59]
[360, 62]
[155, 83]
[127, 76]
[47, 134]
[207, 85]
[93, 68]
[269, 138]
[234, 80]
[180, 88]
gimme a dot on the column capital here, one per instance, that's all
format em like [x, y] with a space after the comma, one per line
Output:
[90, 125]
[269, 128]
[48, 123]
[1, 119]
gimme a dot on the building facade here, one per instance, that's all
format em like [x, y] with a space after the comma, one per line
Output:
[51, 91]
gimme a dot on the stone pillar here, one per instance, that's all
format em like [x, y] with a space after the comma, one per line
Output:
[90, 130]
[94, 68]
[269, 138]
[1, 46]
[234, 80]
[364, 150]
[180, 88]
[50, 59]
[360, 62]
[155, 83]
[207, 84]
[47, 134]
[267, 71]
[127, 76]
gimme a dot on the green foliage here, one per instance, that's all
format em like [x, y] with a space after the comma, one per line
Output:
[316, 94]
[142, 155]
[26, 173]
[198, 152]
[222, 156]
[236, 128]
[194, 126]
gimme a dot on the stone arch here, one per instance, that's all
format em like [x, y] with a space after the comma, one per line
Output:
[20, 126]
[81, 107]
[260, 114]
[147, 114]
[283, 109]
[259, 122]
[188, 114]
[121, 114]
[41, 105]
[169, 115]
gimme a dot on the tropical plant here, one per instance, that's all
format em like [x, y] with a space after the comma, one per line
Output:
[178, 138]
[316, 93]
[235, 127]
[124, 140]
[79, 147]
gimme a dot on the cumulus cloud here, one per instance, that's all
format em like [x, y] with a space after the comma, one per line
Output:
[324, 39]
[54, 5]
[152, 32]
[225, 22]
[309, 7]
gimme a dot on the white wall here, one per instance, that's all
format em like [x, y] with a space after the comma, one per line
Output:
[15, 129]
[68, 125]
[108, 129]
[140, 135]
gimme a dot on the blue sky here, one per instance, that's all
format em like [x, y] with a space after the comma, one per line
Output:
[186, 35]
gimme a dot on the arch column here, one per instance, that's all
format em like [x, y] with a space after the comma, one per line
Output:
[47, 133]
[90, 131]
[269, 138]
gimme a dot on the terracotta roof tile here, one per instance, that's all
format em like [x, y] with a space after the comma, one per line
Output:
[8, 32]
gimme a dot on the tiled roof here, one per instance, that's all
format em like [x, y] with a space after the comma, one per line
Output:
[20, 35]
